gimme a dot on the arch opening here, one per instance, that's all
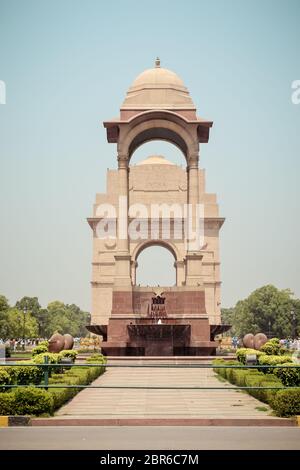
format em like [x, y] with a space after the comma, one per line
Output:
[156, 265]
[158, 148]
[158, 133]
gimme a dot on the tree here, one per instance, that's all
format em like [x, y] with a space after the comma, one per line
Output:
[66, 319]
[31, 304]
[266, 309]
[3, 303]
[12, 325]
[41, 322]
[227, 315]
[4, 306]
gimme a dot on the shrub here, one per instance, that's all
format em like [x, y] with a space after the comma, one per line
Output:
[241, 354]
[5, 378]
[32, 401]
[26, 401]
[260, 380]
[267, 396]
[238, 377]
[6, 403]
[68, 353]
[37, 401]
[96, 358]
[40, 348]
[289, 376]
[287, 402]
[265, 360]
[271, 347]
[25, 375]
[53, 358]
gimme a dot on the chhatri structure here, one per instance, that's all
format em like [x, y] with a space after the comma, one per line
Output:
[171, 320]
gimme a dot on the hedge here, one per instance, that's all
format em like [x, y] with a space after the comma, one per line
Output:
[25, 375]
[26, 401]
[290, 375]
[287, 402]
[96, 358]
[5, 378]
[241, 354]
[284, 402]
[265, 360]
[37, 401]
[68, 353]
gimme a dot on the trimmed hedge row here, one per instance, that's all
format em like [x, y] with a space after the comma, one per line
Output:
[37, 401]
[26, 401]
[29, 375]
[284, 402]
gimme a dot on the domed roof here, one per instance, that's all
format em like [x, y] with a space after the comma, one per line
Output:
[158, 76]
[158, 88]
[155, 160]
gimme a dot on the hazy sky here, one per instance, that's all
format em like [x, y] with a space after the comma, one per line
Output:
[67, 66]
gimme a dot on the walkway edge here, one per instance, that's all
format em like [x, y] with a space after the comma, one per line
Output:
[163, 422]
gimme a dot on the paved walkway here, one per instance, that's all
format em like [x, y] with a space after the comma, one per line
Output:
[165, 403]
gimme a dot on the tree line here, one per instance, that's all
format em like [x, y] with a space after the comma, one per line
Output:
[267, 310]
[41, 322]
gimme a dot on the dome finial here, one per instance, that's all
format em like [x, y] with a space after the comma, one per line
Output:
[157, 62]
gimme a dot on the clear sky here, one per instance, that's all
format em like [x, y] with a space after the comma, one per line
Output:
[67, 65]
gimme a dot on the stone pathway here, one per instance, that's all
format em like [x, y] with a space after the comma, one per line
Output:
[165, 403]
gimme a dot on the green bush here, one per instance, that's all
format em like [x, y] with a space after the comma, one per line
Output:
[68, 353]
[26, 401]
[40, 348]
[37, 401]
[265, 360]
[53, 358]
[225, 372]
[289, 375]
[32, 401]
[6, 403]
[96, 358]
[287, 402]
[25, 375]
[241, 354]
[267, 396]
[5, 378]
[260, 380]
[271, 347]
